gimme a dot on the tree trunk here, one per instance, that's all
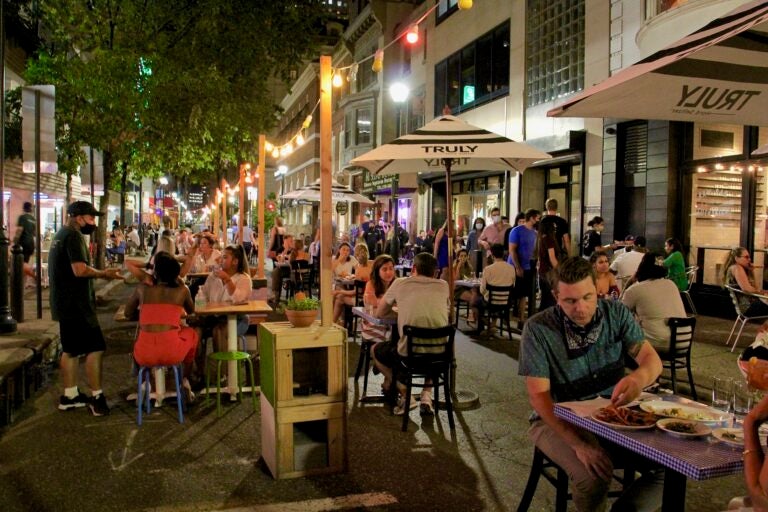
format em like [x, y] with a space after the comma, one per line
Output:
[101, 231]
[123, 186]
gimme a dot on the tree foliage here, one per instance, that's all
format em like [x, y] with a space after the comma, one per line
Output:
[178, 86]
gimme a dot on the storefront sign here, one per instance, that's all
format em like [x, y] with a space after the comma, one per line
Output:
[372, 183]
[342, 207]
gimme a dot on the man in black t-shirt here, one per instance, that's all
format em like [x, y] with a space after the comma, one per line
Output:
[73, 305]
[562, 234]
[25, 236]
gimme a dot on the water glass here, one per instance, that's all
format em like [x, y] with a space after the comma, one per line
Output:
[742, 402]
[722, 394]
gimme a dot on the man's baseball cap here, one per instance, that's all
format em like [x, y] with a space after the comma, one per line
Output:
[82, 208]
[629, 238]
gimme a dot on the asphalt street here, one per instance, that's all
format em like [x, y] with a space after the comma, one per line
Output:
[72, 461]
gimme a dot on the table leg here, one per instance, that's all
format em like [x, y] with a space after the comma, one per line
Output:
[159, 386]
[232, 347]
[673, 497]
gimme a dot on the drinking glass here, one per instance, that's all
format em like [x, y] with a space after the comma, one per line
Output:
[722, 394]
[742, 402]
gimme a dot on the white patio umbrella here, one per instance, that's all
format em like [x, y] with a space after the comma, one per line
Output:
[717, 74]
[338, 193]
[454, 145]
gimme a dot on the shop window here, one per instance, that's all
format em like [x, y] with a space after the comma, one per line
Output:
[474, 75]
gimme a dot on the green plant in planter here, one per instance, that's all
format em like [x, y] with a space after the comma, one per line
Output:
[303, 304]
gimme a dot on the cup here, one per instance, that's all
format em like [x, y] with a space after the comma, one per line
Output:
[722, 394]
[742, 402]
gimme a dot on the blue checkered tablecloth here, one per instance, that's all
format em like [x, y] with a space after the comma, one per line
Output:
[699, 459]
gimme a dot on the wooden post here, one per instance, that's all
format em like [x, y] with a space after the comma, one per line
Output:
[262, 198]
[223, 218]
[215, 214]
[244, 167]
[326, 228]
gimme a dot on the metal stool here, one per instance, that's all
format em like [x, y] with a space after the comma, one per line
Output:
[145, 373]
[221, 357]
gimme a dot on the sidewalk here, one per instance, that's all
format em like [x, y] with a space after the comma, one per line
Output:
[213, 463]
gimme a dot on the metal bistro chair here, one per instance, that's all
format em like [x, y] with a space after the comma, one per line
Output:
[690, 274]
[499, 305]
[677, 355]
[430, 355]
[741, 318]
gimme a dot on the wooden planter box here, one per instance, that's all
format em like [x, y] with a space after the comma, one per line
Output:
[303, 397]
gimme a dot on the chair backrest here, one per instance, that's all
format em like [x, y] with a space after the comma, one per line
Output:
[500, 296]
[359, 291]
[690, 274]
[734, 293]
[681, 335]
[429, 344]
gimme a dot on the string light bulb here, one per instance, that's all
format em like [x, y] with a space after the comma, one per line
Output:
[268, 147]
[307, 122]
[337, 81]
[286, 150]
[412, 36]
[275, 152]
[299, 140]
[465, 5]
[378, 61]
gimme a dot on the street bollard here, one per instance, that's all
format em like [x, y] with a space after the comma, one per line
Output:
[17, 283]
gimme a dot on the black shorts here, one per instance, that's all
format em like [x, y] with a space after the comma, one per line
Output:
[386, 354]
[80, 337]
[27, 251]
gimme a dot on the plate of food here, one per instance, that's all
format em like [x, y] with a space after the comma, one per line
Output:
[735, 436]
[683, 428]
[623, 418]
[684, 412]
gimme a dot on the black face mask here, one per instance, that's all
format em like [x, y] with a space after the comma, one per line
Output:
[88, 229]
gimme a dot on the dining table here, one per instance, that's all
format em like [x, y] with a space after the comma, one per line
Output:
[232, 310]
[700, 458]
[468, 283]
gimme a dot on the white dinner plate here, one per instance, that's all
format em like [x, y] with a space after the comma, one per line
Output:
[734, 436]
[621, 426]
[684, 412]
[698, 429]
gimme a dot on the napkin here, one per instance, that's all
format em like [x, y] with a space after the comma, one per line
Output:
[585, 408]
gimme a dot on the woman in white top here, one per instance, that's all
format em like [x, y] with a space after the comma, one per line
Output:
[205, 258]
[343, 264]
[654, 300]
[230, 284]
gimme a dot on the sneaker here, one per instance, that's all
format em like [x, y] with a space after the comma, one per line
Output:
[66, 403]
[98, 405]
[426, 409]
[399, 409]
